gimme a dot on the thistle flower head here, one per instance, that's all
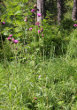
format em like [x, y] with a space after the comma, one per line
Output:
[3, 22]
[37, 23]
[15, 41]
[10, 35]
[75, 25]
[38, 14]
[39, 31]
[9, 38]
[32, 10]
[30, 29]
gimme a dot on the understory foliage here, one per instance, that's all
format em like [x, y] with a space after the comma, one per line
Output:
[38, 63]
[19, 20]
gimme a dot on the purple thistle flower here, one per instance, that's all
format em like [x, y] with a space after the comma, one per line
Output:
[37, 23]
[75, 25]
[15, 41]
[10, 35]
[9, 38]
[39, 31]
[3, 22]
[38, 14]
[30, 29]
[33, 10]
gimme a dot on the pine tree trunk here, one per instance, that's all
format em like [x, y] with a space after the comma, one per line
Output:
[74, 12]
[40, 9]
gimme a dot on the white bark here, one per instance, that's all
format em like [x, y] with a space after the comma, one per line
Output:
[59, 11]
[40, 9]
[74, 12]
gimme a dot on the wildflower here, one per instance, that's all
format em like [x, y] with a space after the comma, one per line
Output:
[39, 31]
[39, 76]
[10, 35]
[38, 14]
[37, 23]
[9, 38]
[15, 41]
[3, 22]
[75, 25]
[25, 20]
[30, 29]
[33, 10]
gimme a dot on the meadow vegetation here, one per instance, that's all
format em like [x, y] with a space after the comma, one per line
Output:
[38, 64]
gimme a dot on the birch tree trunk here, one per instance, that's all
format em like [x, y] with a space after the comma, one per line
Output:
[74, 12]
[59, 12]
[40, 9]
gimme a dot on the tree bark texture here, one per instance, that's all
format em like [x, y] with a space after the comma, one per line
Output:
[60, 10]
[74, 12]
[40, 9]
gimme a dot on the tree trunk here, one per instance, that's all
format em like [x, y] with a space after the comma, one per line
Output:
[74, 12]
[60, 10]
[40, 9]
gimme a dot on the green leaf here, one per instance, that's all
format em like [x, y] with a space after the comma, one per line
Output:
[18, 12]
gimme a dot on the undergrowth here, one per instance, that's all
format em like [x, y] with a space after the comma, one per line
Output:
[49, 85]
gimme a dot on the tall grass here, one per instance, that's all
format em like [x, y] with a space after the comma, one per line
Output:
[40, 72]
[48, 85]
